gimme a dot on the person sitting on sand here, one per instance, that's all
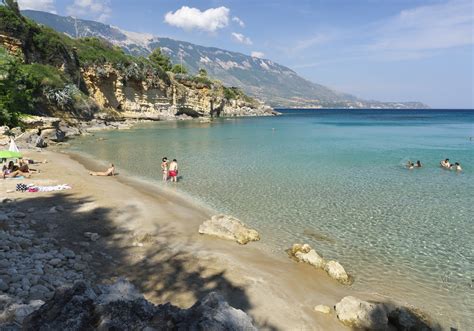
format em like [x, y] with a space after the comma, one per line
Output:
[445, 164]
[109, 172]
[23, 166]
[418, 164]
[164, 168]
[12, 171]
[456, 166]
[173, 173]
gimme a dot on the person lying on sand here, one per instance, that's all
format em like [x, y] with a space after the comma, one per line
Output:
[109, 172]
[12, 171]
[445, 164]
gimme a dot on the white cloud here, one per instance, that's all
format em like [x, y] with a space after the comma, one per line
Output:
[97, 9]
[188, 18]
[240, 38]
[256, 54]
[430, 27]
[238, 21]
[43, 5]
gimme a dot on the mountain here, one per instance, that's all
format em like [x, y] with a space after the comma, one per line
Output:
[271, 82]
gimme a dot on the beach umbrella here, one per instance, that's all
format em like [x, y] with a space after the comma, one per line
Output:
[13, 147]
[10, 155]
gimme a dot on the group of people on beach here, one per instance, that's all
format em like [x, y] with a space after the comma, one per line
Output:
[169, 170]
[445, 164]
[21, 168]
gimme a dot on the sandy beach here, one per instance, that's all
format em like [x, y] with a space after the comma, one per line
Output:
[150, 237]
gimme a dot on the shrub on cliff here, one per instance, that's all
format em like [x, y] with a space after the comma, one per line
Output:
[16, 95]
[179, 69]
[159, 59]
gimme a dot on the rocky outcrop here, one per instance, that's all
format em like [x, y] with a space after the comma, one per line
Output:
[230, 228]
[304, 253]
[162, 98]
[360, 314]
[121, 307]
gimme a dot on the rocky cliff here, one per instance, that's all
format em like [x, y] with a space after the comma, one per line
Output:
[87, 78]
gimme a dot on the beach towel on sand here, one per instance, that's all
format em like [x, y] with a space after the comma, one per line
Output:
[35, 188]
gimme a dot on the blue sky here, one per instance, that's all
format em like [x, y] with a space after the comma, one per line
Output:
[388, 50]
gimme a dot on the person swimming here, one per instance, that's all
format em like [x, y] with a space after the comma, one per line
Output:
[445, 164]
[456, 166]
[418, 164]
[410, 165]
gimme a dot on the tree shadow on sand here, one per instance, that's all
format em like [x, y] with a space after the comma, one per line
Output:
[163, 273]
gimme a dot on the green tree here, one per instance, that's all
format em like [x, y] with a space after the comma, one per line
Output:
[13, 5]
[179, 69]
[16, 94]
[160, 60]
[202, 72]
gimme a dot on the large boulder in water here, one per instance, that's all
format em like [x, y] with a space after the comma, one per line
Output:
[360, 314]
[230, 228]
[122, 307]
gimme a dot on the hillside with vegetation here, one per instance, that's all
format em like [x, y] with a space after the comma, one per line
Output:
[43, 72]
[277, 85]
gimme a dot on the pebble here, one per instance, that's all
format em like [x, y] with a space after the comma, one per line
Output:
[322, 309]
[3, 285]
[32, 265]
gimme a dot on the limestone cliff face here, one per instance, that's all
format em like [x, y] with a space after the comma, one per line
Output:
[155, 97]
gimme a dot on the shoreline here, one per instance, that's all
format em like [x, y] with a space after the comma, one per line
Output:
[274, 290]
[175, 263]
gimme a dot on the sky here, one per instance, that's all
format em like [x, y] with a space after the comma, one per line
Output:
[386, 50]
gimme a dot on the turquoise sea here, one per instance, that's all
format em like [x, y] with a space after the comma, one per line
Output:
[334, 179]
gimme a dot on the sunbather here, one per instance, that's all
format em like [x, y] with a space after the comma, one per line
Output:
[109, 172]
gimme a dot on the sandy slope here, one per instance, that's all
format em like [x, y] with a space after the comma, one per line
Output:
[150, 237]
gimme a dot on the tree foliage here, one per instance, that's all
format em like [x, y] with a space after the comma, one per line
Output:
[160, 60]
[16, 95]
[179, 69]
[202, 72]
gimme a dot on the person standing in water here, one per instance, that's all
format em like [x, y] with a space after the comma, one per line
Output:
[174, 171]
[164, 168]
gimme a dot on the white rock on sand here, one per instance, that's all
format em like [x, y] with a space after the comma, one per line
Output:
[360, 314]
[322, 309]
[230, 228]
[304, 253]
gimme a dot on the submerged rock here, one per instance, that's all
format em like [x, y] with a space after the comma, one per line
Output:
[121, 307]
[336, 271]
[405, 319]
[360, 314]
[304, 253]
[230, 228]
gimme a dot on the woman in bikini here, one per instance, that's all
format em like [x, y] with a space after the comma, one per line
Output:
[12, 171]
[164, 168]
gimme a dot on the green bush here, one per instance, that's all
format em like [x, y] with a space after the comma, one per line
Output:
[179, 69]
[97, 51]
[41, 75]
[16, 95]
[160, 60]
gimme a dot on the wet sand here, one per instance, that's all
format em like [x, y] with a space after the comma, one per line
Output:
[149, 236]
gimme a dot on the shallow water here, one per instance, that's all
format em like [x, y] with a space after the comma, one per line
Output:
[334, 179]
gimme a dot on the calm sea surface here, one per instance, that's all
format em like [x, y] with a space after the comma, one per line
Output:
[334, 179]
